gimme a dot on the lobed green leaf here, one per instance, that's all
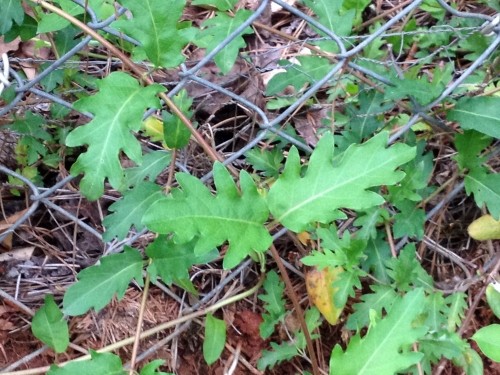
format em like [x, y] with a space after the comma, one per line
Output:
[296, 201]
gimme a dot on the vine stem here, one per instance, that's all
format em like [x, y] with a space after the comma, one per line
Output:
[152, 331]
[212, 154]
[296, 305]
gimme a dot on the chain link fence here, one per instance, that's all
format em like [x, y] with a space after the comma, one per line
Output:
[348, 62]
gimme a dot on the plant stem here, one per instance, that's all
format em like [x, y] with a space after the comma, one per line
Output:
[300, 312]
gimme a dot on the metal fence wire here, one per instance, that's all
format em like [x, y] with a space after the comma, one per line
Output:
[348, 61]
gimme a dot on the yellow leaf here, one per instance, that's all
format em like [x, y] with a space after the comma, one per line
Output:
[320, 289]
[484, 228]
[304, 238]
[153, 128]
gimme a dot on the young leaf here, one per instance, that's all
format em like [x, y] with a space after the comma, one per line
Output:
[469, 145]
[410, 221]
[213, 32]
[486, 190]
[267, 161]
[118, 108]
[151, 367]
[175, 133]
[49, 326]
[10, 11]
[419, 88]
[382, 298]
[471, 362]
[454, 311]
[215, 339]
[493, 298]
[100, 364]
[129, 210]
[172, 261]
[296, 201]
[279, 353]
[487, 340]
[274, 304]
[377, 253]
[153, 163]
[385, 349]
[407, 271]
[480, 113]
[329, 15]
[364, 119]
[97, 285]
[155, 24]
[233, 216]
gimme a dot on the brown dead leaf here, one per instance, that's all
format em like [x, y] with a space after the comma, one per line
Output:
[5, 224]
[11, 46]
[307, 124]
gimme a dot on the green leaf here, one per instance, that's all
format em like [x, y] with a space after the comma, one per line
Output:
[10, 11]
[49, 326]
[415, 184]
[100, 364]
[215, 338]
[130, 209]
[480, 113]
[382, 298]
[493, 298]
[267, 161]
[406, 270]
[469, 145]
[486, 190]
[151, 367]
[175, 133]
[172, 261]
[487, 340]
[296, 201]
[410, 221]
[358, 6]
[279, 353]
[455, 306]
[118, 109]
[330, 16]
[215, 30]
[97, 285]
[219, 4]
[155, 24]
[471, 362]
[50, 22]
[364, 117]
[153, 163]
[386, 348]
[192, 211]
[369, 221]
[274, 304]
[309, 69]
[377, 253]
[419, 88]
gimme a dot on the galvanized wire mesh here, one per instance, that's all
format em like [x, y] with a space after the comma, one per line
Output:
[347, 61]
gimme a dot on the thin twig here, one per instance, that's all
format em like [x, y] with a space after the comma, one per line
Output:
[140, 319]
